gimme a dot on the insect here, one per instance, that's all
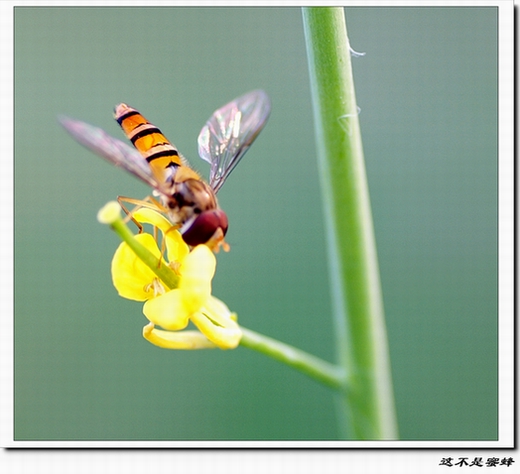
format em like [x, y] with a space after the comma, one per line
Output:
[188, 200]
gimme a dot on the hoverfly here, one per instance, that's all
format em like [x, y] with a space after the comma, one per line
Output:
[188, 200]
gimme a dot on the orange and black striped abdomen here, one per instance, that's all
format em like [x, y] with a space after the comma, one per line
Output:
[147, 139]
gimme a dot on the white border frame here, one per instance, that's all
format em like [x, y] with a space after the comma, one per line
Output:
[506, 240]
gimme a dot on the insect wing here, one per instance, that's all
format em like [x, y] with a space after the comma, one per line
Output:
[111, 149]
[229, 133]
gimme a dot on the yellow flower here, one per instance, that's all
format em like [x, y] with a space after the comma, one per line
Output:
[173, 309]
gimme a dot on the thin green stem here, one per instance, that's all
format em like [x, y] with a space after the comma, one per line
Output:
[324, 372]
[158, 266]
[367, 410]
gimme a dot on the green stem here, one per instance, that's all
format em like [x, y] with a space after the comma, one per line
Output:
[324, 372]
[158, 266]
[367, 410]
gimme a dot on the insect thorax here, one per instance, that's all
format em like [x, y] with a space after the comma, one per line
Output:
[188, 199]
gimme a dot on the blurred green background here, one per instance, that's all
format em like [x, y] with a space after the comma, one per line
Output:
[427, 89]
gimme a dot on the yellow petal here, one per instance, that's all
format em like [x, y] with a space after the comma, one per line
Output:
[218, 311]
[216, 322]
[176, 340]
[176, 248]
[197, 271]
[145, 215]
[175, 245]
[167, 310]
[130, 275]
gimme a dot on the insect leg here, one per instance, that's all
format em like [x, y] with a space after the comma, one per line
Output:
[148, 202]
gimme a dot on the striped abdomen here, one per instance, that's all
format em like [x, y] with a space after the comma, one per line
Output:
[162, 156]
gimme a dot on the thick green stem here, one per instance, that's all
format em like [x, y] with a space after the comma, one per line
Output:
[367, 409]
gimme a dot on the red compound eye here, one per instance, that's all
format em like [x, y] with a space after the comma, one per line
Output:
[204, 226]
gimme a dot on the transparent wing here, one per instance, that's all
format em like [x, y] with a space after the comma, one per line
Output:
[229, 133]
[111, 149]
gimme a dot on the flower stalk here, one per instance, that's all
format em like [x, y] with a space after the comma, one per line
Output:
[367, 409]
[111, 214]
